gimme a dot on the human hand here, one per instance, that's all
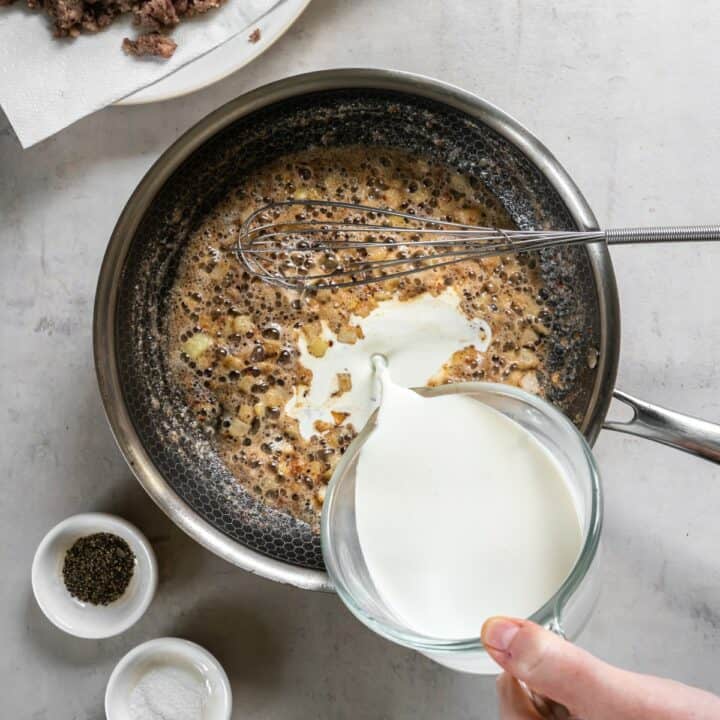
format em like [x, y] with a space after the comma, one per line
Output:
[590, 688]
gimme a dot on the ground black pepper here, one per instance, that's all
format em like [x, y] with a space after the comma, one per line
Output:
[98, 568]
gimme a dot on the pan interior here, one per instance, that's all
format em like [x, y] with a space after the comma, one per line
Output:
[178, 448]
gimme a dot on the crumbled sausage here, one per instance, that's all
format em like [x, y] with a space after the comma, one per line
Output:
[72, 17]
[153, 44]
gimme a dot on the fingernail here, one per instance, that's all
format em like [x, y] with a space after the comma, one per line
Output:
[498, 633]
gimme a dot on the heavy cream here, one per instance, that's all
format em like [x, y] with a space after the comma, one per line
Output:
[461, 514]
[417, 337]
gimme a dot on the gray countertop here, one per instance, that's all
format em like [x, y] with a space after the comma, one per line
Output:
[626, 95]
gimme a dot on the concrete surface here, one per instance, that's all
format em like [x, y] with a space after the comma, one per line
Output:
[626, 95]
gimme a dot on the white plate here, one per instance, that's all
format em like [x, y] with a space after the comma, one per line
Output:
[83, 619]
[223, 60]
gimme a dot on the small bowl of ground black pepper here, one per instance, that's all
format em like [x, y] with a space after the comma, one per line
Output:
[94, 575]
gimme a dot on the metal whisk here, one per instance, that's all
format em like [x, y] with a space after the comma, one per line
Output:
[318, 244]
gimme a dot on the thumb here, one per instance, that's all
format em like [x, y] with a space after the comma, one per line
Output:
[548, 664]
[588, 687]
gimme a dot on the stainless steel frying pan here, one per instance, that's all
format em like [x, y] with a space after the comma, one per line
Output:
[157, 435]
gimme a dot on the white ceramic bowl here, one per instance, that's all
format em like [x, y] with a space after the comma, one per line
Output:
[84, 619]
[173, 652]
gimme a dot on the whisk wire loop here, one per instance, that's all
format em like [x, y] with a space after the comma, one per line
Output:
[303, 245]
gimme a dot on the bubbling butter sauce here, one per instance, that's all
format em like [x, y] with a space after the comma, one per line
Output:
[278, 380]
[462, 514]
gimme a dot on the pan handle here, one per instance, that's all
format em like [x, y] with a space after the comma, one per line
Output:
[684, 432]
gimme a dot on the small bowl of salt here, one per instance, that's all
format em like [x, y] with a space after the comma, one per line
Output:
[168, 678]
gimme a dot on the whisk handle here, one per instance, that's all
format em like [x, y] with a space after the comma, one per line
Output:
[679, 233]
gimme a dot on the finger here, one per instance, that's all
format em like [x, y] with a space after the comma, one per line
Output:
[514, 702]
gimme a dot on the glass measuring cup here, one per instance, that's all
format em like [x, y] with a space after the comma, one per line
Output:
[566, 612]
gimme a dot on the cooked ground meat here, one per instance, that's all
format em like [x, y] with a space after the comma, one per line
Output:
[71, 17]
[150, 44]
[156, 14]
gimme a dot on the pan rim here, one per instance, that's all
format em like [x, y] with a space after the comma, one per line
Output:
[104, 344]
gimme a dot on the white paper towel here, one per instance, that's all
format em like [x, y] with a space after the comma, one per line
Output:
[47, 83]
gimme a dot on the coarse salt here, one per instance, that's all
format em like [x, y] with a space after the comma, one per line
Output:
[168, 693]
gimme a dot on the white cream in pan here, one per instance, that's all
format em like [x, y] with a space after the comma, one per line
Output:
[417, 337]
